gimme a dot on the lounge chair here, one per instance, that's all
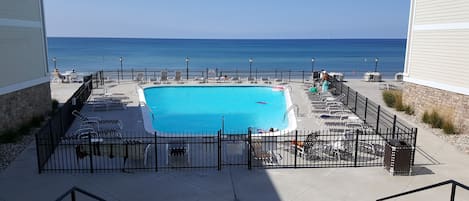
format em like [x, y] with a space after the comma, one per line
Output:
[107, 105]
[86, 131]
[97, 120]
[178, 77]
[266, 80]
[127, 149]
[140, 78]
[164, 77]
[252, 80]
[237, 80]
[259, 154]
[57, 76]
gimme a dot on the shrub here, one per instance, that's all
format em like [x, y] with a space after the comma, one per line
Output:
[55, 104]
[409, 110]
[426, 117]
[9, 136]
[398, 102]
[36, 121]
[448, 127]
[435, 120]
[388, 97]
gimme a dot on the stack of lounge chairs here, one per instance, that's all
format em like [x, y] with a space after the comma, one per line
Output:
[96, 127]
[109, 101]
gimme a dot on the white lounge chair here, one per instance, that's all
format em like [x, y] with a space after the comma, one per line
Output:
[164, 77]
[178, 77]
[114, 123]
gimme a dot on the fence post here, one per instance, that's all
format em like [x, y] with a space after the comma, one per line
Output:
[219, 150]
[394, 126]
[366, 107]
[91, 152]
[414, 144]
[289, 75]
[102, 78]
[453, 191]
[62, 132]
[156, 153]
[357, 133]
[73, 195]
[303, 76]
[377, 118]
[51, 138]
[249, 149]
[341, 86]
[296, 143]
[118, 76]
[356, 98]
[39, 169]
[132, 75]
[348, 93]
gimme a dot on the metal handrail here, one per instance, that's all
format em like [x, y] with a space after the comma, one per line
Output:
[73, 194]
[453, 189]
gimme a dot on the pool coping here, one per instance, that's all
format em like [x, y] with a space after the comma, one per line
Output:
[147, 113]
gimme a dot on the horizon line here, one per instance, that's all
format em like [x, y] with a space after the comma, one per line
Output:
[162, 38]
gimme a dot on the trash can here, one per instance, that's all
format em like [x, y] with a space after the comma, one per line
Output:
[398, 157]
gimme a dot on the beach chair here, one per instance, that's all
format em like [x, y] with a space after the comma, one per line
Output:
[140, 78]
[57, 77]
[87, 131]
[266, 80]
[259, 154]
[73, 77]
[114, 123]
[106, 105]
[126, 149]
[164, 77]
[237, 80]
[178, 77]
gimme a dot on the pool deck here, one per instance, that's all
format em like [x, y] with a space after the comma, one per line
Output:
[436, 160]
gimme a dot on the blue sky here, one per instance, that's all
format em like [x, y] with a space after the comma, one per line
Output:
[228, 18]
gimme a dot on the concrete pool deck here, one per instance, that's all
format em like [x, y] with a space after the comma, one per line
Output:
[436, 160]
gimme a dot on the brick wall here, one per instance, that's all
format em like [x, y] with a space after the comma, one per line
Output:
[427, 98]
[20, 106]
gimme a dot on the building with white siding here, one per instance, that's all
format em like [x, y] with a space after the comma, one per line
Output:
[24, 78]
[436, 70]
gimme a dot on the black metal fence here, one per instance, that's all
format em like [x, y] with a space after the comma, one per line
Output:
[280, 75]
[372, 113]
[56, 127]
[452, 196]
[295, 149]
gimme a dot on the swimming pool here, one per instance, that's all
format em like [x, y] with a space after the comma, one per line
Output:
[207, 109]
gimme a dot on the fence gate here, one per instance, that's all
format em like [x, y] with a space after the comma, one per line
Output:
[233, 150]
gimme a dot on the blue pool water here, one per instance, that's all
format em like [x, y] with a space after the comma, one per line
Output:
[201, 110]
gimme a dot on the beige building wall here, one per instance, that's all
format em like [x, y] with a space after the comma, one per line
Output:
[22, 45]
[437, 58]
[24, 79]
